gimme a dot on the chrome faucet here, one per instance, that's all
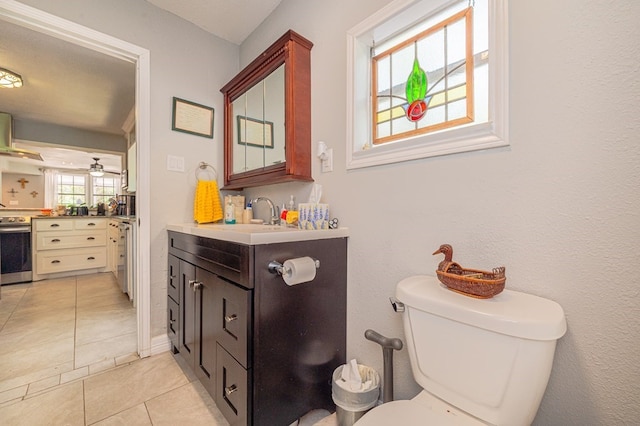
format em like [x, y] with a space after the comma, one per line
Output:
[275, 217]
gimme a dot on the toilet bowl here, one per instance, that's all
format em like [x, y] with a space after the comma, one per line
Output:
[479, 361]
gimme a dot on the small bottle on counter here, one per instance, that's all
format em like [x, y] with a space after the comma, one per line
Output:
[247, 214]
[291, 205]
[229, 213]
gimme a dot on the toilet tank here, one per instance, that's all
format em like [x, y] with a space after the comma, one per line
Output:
[488, 357]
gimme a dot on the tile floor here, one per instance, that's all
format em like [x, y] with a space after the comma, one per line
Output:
[68, 356]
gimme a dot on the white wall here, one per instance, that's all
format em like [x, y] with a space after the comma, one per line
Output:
[188, 63]
[560, 207]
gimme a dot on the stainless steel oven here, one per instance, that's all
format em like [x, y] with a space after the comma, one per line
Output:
[15, 249]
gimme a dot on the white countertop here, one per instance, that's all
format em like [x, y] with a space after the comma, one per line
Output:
[255, 234]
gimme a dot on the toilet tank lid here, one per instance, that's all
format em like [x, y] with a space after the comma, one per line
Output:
[511, 312]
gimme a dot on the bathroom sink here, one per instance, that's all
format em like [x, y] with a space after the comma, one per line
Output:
[249, 233]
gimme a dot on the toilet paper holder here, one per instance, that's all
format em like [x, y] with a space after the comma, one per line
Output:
[276, 267]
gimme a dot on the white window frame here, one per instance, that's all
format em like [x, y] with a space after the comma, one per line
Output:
[397, 16]
[88, 185]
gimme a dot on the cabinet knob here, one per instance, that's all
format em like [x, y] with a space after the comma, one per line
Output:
[54, 225]
[230, 318]
[91, 238]
[91, 224]
[55, 261]
[230, 389]
[91, 258]
[195, 285]
[55, 240]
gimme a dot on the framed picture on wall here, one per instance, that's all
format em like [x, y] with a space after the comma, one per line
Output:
[193, 118]
[255, 132]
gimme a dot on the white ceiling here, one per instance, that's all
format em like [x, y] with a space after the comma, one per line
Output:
[69, 85]
[232, 20]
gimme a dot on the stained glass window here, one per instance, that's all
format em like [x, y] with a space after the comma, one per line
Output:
[423, 80]
[427, 78]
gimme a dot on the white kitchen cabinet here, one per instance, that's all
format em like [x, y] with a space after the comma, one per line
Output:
[68, 246]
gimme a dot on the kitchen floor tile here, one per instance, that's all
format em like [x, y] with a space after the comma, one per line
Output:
[34, 376]
[62, 406]
[23, 361]
[110, 348]
[105, 322]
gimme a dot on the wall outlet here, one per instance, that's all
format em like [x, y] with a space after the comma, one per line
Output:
[327, 162]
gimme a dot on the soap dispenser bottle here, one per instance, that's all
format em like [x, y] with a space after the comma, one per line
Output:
[229, 213]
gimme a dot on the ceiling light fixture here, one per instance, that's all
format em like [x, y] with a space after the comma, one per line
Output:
[9, 79]
[96, 169]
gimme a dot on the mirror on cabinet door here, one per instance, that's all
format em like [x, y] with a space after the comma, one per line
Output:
[267, 123]
[258, 131]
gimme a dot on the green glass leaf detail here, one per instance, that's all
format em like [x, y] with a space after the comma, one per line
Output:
[416, 83]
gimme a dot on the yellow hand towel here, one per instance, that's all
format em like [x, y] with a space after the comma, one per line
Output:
[206, 205]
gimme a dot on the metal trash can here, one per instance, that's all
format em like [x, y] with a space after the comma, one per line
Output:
[351, 405]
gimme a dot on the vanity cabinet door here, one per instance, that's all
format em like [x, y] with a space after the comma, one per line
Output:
[234, 310]
[187, 303]
[205, 325]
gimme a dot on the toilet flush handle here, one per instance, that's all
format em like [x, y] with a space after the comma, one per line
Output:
[398, 306]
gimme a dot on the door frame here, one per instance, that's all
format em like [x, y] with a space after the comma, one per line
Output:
[35, 19]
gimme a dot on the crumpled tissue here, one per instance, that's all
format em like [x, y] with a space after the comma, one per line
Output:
[356, 378]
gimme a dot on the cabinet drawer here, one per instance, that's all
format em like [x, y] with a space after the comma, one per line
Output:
[88, 224]
[53, 261]
[231, 388]
[53, 241]
[54, 225]
[232, 325]
[173, 324]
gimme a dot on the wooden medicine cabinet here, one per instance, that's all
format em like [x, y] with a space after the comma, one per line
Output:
[267, 117]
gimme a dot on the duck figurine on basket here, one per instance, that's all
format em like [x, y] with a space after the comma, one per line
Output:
[470, 282]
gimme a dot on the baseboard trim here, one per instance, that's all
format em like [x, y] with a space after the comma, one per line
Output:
[160, 344]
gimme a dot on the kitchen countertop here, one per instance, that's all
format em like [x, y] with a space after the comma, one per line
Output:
[92, 216]
[251, 234]
[70, 217]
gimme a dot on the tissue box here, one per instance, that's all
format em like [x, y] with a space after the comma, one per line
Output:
[313, 216]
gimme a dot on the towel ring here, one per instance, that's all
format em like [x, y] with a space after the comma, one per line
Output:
[202, 168]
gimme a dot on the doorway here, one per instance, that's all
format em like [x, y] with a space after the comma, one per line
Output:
[54, 26]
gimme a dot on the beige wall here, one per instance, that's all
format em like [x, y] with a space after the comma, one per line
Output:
[31, 196]
[560, 207]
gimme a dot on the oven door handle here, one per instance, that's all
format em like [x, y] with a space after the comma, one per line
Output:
[15, 229]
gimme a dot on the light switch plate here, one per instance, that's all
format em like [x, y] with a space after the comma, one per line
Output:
[175, 164]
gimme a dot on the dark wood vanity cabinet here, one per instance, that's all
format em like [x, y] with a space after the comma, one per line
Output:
[265, 351]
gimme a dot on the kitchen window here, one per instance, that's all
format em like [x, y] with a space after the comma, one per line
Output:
[76, 189]
[427, 78]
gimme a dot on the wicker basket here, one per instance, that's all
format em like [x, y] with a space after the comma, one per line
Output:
[473, 282]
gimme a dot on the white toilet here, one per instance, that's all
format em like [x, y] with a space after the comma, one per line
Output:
[479, 361]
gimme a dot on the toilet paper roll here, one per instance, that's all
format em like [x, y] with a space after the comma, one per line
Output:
[299, 270]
